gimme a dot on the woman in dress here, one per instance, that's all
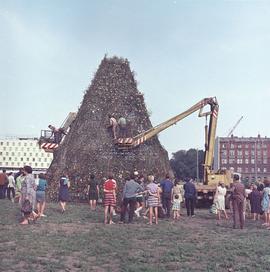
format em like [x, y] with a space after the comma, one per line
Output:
[64, 184]
[219, 200]
[255, 202]
[28, 193]
[109, 189]
[93, 192]
[153, 199]
[40, 195]
[266, 203]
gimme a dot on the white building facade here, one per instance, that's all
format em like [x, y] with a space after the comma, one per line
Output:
[18, 152]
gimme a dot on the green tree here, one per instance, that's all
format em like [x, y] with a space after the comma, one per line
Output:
[184, 163]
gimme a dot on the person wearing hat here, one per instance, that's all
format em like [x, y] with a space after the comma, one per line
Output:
[219, 200]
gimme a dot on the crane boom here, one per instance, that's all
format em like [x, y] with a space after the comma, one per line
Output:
[234, 127]
[126, 143]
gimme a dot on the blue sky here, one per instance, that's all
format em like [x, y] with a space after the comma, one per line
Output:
[181, 51]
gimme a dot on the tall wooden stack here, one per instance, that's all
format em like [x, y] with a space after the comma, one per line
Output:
[89, 146]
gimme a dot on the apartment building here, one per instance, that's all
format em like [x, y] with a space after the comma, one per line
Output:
[17, 152]
[249, 156]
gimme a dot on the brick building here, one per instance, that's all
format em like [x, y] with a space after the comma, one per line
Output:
[249, 156]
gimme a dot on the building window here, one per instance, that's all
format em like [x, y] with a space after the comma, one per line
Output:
[239, 169]
[15, 159]
[9, 158]
[42, 164]
[239, 146]
[264, 161]
[7, 143]
[25, 144]
[45, 160]
[231, 161]
[39, 159]
[246, 161]
[36, 164]
[239, 153]
[19, 144]
[239, 161]
[4, 148]
[4, 158]
[232, 145]
[1, 153]
[223, 145]
[246, 169]
[6, 163]
[13, 144]
[33, 159]
[246, 153]
[252, 161]
[1, 143]
[30, 154]
[259, 169]
[21, 159]
[27, 159]
[252, 153]
[231, 153]
[224, 161]
[264, 170]
[6, 153]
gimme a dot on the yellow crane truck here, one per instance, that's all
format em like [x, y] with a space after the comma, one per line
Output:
[211, 179]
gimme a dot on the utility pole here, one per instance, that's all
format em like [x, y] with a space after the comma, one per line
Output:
[197, 166]
[256, 166]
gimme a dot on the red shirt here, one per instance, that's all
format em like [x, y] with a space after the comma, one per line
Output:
[110, 185]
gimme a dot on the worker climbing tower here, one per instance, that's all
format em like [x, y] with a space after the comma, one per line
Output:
[89, 146]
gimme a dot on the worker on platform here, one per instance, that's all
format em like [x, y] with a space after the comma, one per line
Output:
[57, 134]
[113, 125]
[122, 123]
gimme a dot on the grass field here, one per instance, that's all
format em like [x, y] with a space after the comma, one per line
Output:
[78, 241]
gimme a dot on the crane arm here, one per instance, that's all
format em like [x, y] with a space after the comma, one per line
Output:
[234, 127]
[210, 140]
[146, 135]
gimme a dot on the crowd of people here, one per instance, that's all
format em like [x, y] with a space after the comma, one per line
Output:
[141, 197]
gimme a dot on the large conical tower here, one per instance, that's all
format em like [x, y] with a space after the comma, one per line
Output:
[89, 146]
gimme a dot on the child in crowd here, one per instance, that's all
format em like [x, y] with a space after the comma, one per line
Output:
[176, 207]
